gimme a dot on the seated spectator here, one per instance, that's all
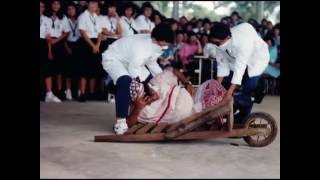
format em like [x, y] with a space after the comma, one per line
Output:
[198, 28]
[188, 50]
[272, 69]
[157, 17]
[143, 21]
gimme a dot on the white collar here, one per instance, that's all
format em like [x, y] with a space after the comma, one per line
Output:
[94, 14]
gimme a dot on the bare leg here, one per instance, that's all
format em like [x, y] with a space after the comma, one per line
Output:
[68, 83]
[83, 83]
[92, 85]
[59, 82]
[48, 84]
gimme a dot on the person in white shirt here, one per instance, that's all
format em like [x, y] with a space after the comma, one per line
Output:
[111, 29]
[242, 51]
[58, 33]
[46, 66]
[127, 22]
[134, 57]
[143, 22]
[90, 63]
[71, 47]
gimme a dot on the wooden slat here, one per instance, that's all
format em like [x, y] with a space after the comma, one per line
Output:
[145, 128]
[134, 128]
[189, 136]
[160, 127]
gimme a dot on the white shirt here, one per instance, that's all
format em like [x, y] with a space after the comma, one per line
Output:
[245, 48]
[144, 23]
[210, 50]
[125, 26]
[133, 52]
[74, 31]
[90, 24]
[45, 25]
[58, 26]
[110, 23]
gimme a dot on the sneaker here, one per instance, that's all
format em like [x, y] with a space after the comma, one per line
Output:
[82, 98]
[52, 98]
[68, 94]
[120, 127]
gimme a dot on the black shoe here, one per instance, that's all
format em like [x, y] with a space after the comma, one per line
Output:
[61, 95]
[82, 98]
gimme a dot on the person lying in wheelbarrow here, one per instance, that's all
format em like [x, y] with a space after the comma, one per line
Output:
[168, 102]
[242, 57]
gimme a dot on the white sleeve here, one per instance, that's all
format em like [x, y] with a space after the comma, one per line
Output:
[82, 23]
[223, 69]
[136, 63]
[139, 23]
[242, 56]
[66, 26]
[154, 67]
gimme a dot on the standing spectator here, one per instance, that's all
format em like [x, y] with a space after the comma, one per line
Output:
[58, 33]
[235, 18]
[128, 25]
[204, 40]
[90, 30]
[46, 62]
[173, 23]
[143, 21]
[198, 28]
[71, 46]
[276, 32]
[179, 40]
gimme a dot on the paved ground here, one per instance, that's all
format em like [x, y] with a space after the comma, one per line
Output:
[67, 149]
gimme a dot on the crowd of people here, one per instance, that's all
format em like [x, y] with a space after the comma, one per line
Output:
[73, 36]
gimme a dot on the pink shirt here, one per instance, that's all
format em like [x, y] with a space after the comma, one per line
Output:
[186, 51]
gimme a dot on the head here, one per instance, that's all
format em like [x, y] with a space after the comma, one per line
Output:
[162, 34]
[55, 6]
[42, 7]
[92, 6]
[147, 9]
[204, 39]
[128, 10]
[235, 16]
[269, 40]
[269, 25]
[199, 23]
[179, 37]
[264, 22]
[109, 8]
[224, 21]
[72, 10]
[183, 20]
[192, 38]
[207, 26]
[219, 33]
[174, 26]
[188, 27]
[276, 30]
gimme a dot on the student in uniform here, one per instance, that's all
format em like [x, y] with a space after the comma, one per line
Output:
[46, 69]
[82, 6]
[127, 22]
[134, 57]
[58, 32]
[143, 21]
[90, 29]
[242, 57]
[111, 24]
[71, 47]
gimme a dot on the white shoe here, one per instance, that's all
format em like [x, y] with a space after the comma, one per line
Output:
[68, 94]
[111, 98]
[52, 98]
[120, 127]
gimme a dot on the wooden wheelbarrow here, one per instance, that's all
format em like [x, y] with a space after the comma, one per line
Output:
[259, 129]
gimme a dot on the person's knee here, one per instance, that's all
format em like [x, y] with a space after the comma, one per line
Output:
[124, 81]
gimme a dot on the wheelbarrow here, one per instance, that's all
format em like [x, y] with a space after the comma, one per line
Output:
[258, 130]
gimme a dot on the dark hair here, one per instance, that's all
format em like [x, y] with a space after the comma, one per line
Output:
[235, 13]
[269, 37]
[179, 32]
[157, 13]
[122, 8]
[220, 31]
[146, 5]
[74, 5]
[106, 6]
[163, 32]
[93, 1]
[49, 12]
[171, 21]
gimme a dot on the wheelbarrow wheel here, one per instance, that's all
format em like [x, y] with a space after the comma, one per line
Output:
[261, 120]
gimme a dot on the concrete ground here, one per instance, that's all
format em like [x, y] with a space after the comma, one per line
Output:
[67, 149]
